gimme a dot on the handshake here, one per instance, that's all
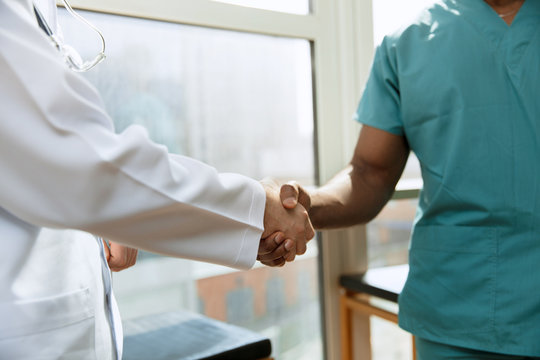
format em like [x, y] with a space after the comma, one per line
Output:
[287, 227]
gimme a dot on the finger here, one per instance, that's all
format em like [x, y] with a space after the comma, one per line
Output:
[305, 235]
[132, 258]
[310, 230]
[289, 195]
[135, 252]
[279, 252]
[292, 193]
[301, 245]
[274, 263]
[122, 257]
[291, 246]
[269, 244]
[135, 256]
[290, 257]
[117, 257]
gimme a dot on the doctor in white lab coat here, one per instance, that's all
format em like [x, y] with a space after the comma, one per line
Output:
[65, 174]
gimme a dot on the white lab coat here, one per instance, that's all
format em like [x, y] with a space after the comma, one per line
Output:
[63, 167]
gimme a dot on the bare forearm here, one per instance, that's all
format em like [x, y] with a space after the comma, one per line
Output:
[354, 196]
[357, 193]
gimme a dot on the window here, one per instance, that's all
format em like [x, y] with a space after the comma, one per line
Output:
[388, 15]
[243, 103]
[288, 6]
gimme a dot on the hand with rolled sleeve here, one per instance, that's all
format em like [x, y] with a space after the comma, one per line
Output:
[119, 257]
[286, 230]
[275, 249]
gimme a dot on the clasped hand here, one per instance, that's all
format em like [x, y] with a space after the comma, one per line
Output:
[119, 257]
[287, 227]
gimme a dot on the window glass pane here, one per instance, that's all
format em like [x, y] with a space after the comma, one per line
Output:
[389, 233]
[388, 15]
[300, 7]
[242, 103]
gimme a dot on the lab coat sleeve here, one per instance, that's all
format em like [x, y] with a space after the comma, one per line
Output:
[63, 166]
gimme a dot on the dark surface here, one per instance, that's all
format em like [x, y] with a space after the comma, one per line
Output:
[189, 336]
[386, 282]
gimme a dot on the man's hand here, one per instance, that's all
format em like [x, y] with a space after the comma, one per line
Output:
[119, 257]
[293, 222]
[292, 193]
[274, 250]
[358, 192]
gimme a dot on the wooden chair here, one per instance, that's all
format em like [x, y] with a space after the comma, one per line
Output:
[357, 294]
[187, 336]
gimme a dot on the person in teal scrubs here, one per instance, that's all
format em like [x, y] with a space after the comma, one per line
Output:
[460, 87]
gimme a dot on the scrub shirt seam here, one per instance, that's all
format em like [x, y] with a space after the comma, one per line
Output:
[495, 282]
[535, 35]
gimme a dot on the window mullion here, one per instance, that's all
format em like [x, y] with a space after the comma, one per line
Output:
[342, 57]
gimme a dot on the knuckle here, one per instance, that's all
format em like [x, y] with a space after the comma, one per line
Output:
[299, 228]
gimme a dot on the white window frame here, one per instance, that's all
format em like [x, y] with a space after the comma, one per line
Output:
[341, 33]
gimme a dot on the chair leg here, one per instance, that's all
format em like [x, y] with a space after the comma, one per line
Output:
[346, 328]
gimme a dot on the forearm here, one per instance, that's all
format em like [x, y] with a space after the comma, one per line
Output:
[357, 194]
[354, 196]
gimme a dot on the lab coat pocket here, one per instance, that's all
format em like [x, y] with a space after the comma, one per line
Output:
[451, 283]
[55, 327]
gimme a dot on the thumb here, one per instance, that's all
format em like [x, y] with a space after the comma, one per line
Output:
[304, 198]
[289, 195]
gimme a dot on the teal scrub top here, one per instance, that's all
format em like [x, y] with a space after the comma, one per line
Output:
[464, 89]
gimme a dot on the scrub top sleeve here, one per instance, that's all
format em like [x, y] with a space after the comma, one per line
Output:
[380, 103]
